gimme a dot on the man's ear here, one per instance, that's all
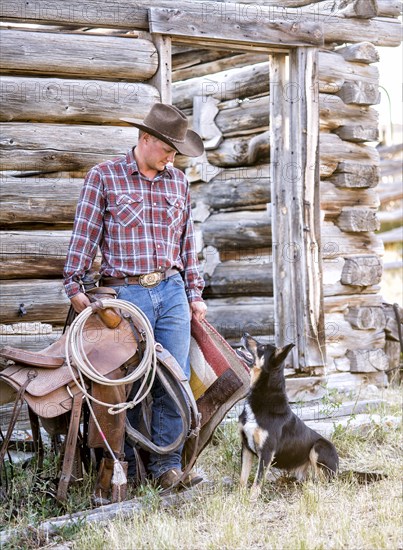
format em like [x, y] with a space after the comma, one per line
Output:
[282, 353]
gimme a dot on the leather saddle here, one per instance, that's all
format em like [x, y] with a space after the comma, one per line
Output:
[44, 381]
[51, 389]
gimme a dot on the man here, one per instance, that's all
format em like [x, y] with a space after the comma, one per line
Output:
[137, 209]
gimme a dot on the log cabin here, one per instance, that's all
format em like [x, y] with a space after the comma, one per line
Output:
[285, 198]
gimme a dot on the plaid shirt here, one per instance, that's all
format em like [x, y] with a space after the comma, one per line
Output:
[141, 225]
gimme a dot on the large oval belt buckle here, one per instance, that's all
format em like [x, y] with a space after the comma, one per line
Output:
[149, 280]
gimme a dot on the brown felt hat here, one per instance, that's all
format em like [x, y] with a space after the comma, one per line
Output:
[170, 125]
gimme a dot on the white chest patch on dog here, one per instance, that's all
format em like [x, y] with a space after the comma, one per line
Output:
[255, 435]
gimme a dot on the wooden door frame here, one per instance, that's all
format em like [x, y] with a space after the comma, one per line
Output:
[294, 169]
[295, 204]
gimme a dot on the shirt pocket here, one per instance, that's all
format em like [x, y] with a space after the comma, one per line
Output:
[175, 209]
[128, 210]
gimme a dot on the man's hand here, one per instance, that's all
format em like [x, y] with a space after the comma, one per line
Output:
[198, 309]
[79, 302]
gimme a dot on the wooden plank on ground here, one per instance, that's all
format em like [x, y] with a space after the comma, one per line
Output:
[104, 514]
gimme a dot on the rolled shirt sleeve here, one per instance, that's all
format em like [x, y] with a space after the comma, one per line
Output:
[87, 232]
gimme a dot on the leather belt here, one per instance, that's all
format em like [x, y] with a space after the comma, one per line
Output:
[147, 280]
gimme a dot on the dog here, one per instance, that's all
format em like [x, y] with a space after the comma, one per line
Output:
[270, 430]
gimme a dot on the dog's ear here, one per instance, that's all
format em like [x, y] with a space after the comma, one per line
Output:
[281, 353]
[250, 343]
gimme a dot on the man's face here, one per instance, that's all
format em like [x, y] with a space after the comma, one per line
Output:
[158, 153]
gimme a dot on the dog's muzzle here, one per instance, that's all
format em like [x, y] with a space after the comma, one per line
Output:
[246, 356]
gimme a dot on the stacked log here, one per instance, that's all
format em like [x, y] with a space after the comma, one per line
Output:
[73, 100]
[352, 265]
[238, 194]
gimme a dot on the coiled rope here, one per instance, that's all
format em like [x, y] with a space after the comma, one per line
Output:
[76, 355]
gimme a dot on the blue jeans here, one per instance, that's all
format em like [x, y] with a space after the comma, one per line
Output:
[167, 309]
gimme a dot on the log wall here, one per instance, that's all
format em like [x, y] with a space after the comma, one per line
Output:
[73, 99]
[62, 115]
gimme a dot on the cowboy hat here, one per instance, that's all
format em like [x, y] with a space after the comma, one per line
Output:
[170, 125]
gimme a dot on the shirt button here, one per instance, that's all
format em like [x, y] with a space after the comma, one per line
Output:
[158, 246]
[154, 203]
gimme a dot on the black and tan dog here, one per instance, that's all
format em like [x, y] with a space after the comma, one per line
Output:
[269, 428]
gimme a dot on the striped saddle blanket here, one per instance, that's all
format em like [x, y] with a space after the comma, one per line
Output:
[219, 379]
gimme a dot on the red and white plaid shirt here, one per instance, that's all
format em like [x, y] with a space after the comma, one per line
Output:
[141, 225]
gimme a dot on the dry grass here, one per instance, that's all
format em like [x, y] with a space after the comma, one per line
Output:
[310, 516]
[340, 515]
[343, 514]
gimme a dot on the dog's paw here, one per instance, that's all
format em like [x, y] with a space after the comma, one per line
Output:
[255, 492]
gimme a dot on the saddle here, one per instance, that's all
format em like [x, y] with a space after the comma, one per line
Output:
[43, 380]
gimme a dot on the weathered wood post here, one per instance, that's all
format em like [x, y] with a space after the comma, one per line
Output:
[297, 272]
